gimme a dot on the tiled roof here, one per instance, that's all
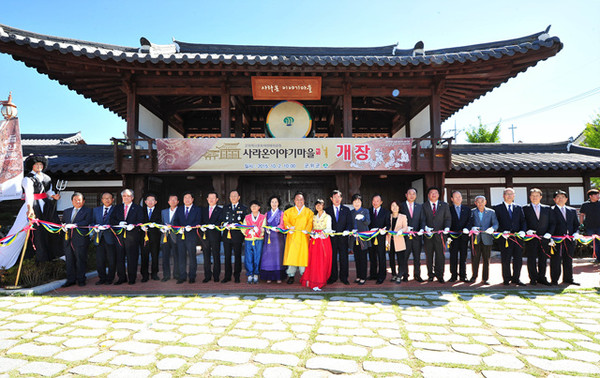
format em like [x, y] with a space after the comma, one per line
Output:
[76, 158]
[182, 52]
[523, 157]
[51, 139]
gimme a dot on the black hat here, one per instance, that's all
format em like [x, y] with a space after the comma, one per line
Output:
[32, 159]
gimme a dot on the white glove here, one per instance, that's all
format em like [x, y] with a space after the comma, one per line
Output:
[428, 229]
[387, 244]
[474, 228]
[210, 226]
[69, 226]
[144, 228]
[490, 230]
[202, 228]
[152, 225]
[164, 230]
[547, 235]
[521, 234]
[446, 230]
[530, 232]
[576, 235]
[505, 234]
[354, 231]
[188, 228]
[345, 233]
[409, 228]
[359, 217]
[420, 233]
[328, 231]
[255, 229]
[122, 223]
[305, 232]
[382, 232]
[102, 228]
[292, 228]
[465, 231]
[552, 243]
[130, 227]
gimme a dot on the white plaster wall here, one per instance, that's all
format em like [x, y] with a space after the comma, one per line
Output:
[419, 125]
[576, 195]
[495, 196]
[521, 195]
[418, 184]
[174, 133]
[400, 133]
[150, 124]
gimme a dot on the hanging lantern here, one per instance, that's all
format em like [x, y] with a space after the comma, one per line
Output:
[9, 110]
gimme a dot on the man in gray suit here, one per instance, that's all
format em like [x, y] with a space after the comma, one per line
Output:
[486, 222]
[437, 218]
[169, 240]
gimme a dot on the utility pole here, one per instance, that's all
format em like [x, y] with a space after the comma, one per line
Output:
[512, 128]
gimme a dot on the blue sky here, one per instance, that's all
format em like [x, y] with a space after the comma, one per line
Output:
[46, 106]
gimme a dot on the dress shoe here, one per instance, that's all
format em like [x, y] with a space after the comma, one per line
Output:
[405, 279]
[357, 280]
[132, 282]
[506, 283]
[545, 282]
[290, 280]
[379, 282]
[192, 280]
[533, 283]
[108, 282]
[418, 279]
[237, 279]
[554, 283]
[430, 279]
[165, 279]
[100, 282]
[225, 280]
[216, 280]
[68, 284]
[372, 278]
[571, 283]
[471, 280]
[180, 281]
[452, 279]
[206, 280]
[393, 279]
[463, 279]
[361, 282]
[330, 281]
[120, 282]
[398, 281]
[155, 277]
[81, 284]
[145, 279]
[485, 283]
[519, 283]
[345, 282]
[441, 280]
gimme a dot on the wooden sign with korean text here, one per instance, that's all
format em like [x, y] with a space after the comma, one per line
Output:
[286, 87]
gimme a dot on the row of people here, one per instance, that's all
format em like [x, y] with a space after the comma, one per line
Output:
[267, 260]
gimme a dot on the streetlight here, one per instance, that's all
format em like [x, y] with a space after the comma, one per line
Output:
[9, 110]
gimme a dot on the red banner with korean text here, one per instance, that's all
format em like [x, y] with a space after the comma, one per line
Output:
[11, 160]
[302, 154]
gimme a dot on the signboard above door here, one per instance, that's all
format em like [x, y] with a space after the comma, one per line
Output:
[286, 87]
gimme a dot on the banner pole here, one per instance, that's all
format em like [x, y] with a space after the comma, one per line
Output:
[21, 262]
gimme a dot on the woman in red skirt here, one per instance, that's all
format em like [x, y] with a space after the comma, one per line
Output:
[319, 250]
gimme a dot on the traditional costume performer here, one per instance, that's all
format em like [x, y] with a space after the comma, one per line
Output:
[319, 254]
[271, 263]
[296, 244]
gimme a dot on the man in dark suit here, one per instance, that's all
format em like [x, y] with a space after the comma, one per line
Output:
[187, 216]
[462, 221]
[380, 219]
[233, 213]
[437, 218]
[341, 221]
[540, 221]
[76, 243]
[169, 240]
[128, 215]
[150, 247]
[416, 222]
[106, 252]
[567, 224]
[589, 216]
[212, 215]
[511, 220]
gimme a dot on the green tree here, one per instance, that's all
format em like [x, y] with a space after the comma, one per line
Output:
[591, 135]
[481, 134]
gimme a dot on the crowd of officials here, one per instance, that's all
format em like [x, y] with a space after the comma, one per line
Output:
[316, 242]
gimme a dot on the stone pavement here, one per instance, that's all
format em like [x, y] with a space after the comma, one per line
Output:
[432, 333]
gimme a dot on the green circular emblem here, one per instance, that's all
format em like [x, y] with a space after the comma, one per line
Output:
[288, 121]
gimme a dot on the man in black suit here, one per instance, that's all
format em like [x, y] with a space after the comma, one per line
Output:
[341, 221]
[233, 213]
[462, 221]
[128, 215]
[76, 243]
[150, 247]
[511, 220]
[212, 215]
[416, 222]
[106, 253]
[380, 218]
[540, 221]
[567, 224]
[437, 218]
[187, 216]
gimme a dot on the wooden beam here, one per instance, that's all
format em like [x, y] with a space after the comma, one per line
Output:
[347, 103]
[435, 117]
[133, 109]
[225, 112]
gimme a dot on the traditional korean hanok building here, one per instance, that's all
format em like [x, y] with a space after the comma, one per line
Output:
[212, 117]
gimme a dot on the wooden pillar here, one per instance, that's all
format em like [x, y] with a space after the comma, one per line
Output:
[587, 185]
[218, 182]
[165, 130]
[225, 112]
[139, 187]
[232, 183]
[435, 114]
[238, 127]
[407, 122]
[133, 108]
[354, 182]
[347, 104]
[341, 182]
[337, 123]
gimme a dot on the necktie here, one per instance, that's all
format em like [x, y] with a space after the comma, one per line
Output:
[233, 207]
[458, 212]
[105, 214]
[410, 209]
[376, 211]
[149, 213]
[125, 208]
[537, 211]
[564, 212]
[434, 208]
[337, 214]
[187, 212]
[210, 210]
[74, 215]
[510, 211]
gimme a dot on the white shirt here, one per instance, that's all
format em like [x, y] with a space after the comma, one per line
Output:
[171, 214]
[150, 209]
[27, 184]
[299, 210]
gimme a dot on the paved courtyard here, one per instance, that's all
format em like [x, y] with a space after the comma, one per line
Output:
[426, 333]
